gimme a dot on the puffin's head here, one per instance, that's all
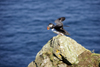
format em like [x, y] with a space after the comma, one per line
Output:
[50, 26]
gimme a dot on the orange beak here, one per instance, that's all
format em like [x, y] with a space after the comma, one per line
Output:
[48, 28]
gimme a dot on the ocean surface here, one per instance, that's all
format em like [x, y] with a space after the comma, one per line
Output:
[23, 27]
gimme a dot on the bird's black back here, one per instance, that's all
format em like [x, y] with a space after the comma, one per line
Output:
[61, 30]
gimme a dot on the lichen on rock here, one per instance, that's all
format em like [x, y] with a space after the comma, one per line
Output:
[62, 51]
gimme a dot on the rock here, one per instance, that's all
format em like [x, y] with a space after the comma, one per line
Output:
[32, 64]
[66, 48]
[62, 51]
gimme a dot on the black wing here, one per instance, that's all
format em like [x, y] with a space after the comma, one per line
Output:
[65, 32]
[59, 21]
[59, 26]
[60, 29]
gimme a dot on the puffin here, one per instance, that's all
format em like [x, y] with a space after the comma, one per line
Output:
[58, 28]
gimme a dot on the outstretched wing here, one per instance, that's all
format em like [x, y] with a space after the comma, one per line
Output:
[59, 26]
[59, 21]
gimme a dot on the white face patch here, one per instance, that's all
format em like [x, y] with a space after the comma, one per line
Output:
[50, 25]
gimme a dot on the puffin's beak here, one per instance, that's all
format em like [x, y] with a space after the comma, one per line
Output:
[48, 28]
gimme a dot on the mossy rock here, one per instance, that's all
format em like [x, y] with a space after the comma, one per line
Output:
[88, 59]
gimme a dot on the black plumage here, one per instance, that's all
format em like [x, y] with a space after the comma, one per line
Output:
[59, 26]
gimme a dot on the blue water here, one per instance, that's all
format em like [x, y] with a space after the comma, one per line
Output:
[23, 27]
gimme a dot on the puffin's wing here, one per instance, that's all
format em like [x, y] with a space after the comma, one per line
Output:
[63, 31]
[66, 33]
[60, 29]
[62, 18]
[59, 21]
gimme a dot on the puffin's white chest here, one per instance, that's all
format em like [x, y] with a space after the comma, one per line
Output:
[57, 32]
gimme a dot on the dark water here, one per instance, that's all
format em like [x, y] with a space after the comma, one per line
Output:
[23, 26]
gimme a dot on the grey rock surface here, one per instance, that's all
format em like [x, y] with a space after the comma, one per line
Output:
[60, 51]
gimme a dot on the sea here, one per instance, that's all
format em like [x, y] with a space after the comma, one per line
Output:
[23, 27]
